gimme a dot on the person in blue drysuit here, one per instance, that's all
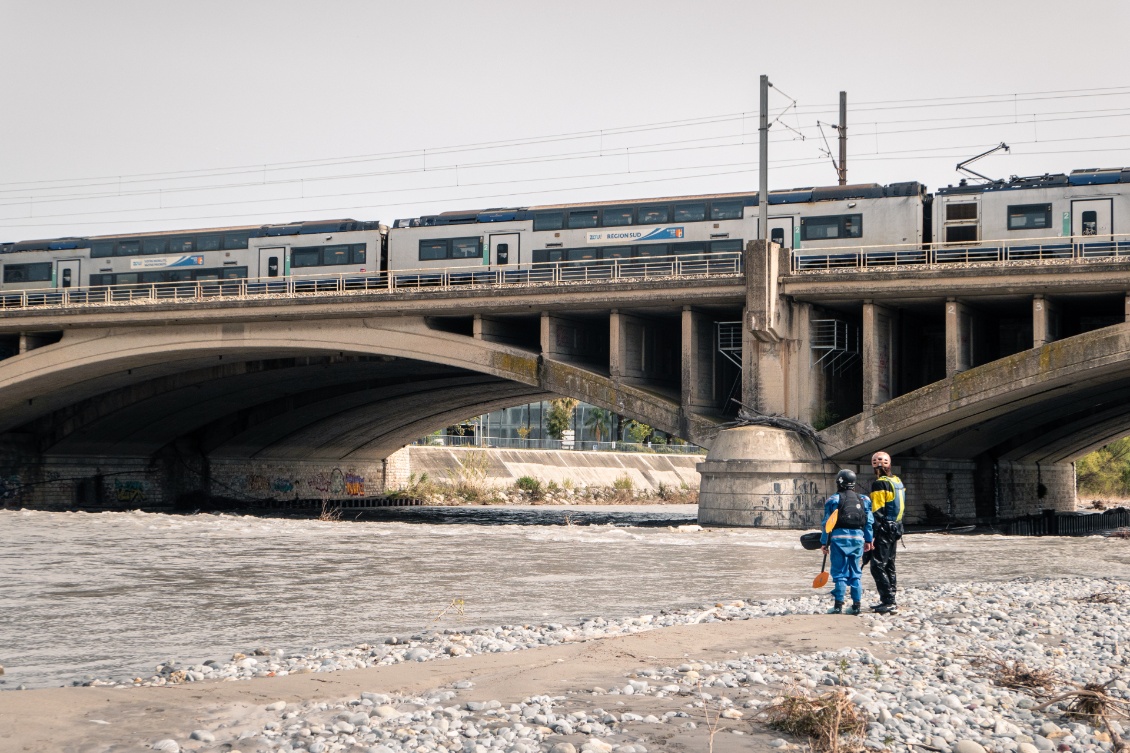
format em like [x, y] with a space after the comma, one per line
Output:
[848, 540]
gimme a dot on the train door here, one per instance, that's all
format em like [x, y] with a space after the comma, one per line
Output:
[781, 231]
[1091, 220]
[66, 273]
[504, 249]
[271, 262]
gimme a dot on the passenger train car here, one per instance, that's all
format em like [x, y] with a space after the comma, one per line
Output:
[190, 255]
[685, 227]
[1050, 215]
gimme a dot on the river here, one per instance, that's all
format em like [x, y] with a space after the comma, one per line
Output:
[111, 595]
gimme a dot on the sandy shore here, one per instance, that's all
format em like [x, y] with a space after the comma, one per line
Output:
[90, 720]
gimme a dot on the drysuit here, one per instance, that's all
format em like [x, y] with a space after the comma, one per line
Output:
[845, 546]
[888, 500]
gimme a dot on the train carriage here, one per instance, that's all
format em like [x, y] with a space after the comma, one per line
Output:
[168, 263]
[645, 236]
[1042, 217]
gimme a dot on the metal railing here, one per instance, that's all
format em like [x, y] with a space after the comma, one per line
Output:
[442, 280]
[515, 443]
[1088, 248]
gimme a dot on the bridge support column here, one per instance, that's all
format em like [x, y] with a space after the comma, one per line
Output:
[959, 337]
[764, 477]
[879, 354]
[697, 377]
[1045, 321]
[1128, 307]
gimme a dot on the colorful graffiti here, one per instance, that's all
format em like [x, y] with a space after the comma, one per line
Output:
[334, 482]
[129, 491]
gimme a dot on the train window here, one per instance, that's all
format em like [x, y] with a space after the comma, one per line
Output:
[690, 212]
[722, 247]
[358, 253]
[127, 278]
[961, 234]
[582, 254]
[726, 210]
[682, 249]
[235, 240]
[617, 252]
[101, 249]
[549, 221]
[831, 227]
[153, 246]
[181, 245]
[336, 255]
[653, 215]
[1029, 216]
[235, 273]
[617, 217]
[27, 272]
[465, 248]
[208, 243]
[306, 257]
[432, 250]
[582, 218]
[653, 249]
[128, 248]
[964, 211]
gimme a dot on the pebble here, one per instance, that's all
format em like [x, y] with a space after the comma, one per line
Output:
[203, 736]
[932, 692]
[167, 745]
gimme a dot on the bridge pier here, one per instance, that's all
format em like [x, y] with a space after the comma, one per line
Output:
[765, 477]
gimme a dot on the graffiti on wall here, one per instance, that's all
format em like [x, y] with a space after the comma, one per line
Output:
[129, 491]
[334, 482]
[11, 488]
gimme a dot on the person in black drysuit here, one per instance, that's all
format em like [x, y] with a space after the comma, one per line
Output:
[848, 540]
[888, 502]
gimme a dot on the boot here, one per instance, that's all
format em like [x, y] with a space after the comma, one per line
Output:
[837, 608]
[886, 608]
[855, 608]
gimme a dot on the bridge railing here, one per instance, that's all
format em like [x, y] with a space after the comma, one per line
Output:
[445, 280]
[516, 443]
[1110, 247]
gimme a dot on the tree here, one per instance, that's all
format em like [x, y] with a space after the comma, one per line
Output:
[637, 432]
[560, 416]
[598, 420]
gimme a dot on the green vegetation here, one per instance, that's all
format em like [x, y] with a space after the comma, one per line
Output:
[1106, 471]
[560, 416]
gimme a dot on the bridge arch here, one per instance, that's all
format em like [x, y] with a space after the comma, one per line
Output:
[1050, 404]
[333, 389]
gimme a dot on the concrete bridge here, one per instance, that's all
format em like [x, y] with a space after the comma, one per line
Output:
[984, 381]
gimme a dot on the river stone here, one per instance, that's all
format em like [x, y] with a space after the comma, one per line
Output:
[1027, 748]
[167, 745]
[967, 746]
[203, 736]
[563, 748]
[276, 706]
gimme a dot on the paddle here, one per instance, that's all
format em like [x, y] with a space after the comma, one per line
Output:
[822, 578]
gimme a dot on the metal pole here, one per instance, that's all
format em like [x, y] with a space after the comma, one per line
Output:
[763, 170]
[843, 138]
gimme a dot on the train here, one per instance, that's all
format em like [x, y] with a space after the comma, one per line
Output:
[1047, 216]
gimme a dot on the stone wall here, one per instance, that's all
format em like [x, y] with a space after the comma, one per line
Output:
[250, 480]
[1028, 488]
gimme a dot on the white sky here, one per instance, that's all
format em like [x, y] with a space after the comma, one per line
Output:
[120, 116]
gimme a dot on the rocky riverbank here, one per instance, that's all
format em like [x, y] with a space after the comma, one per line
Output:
[927, 678]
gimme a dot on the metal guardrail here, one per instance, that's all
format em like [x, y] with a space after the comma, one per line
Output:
[515, 443]
[1027, 250]
[442, 280]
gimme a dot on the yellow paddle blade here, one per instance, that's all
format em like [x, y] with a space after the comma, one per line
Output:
[832, 521]
[820, 580]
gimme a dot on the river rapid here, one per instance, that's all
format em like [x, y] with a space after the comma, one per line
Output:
[111, 595]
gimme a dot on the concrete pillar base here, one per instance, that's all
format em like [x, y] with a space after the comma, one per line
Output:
[763, 477]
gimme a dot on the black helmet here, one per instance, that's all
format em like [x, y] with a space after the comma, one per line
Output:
[845, 479]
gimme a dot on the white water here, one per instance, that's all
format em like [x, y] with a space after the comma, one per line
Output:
[113, 594]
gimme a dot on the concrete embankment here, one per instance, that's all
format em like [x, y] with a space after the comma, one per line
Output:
[503, 467]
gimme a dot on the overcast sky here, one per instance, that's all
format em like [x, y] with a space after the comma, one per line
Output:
[120, 116]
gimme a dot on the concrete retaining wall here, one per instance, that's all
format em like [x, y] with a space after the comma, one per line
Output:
[504, 467]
